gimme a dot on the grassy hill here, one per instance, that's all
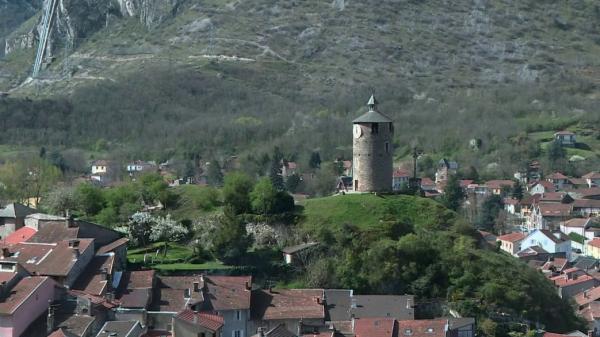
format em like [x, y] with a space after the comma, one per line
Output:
[405, 244]
[235, 77]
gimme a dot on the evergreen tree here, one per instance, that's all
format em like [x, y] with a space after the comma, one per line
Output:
[517, 191]
[275, 176]
[292, 183]
[315, 160]
[214, 174]
[453, 193]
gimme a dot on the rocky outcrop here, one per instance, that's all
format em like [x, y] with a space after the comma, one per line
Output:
[77, 19]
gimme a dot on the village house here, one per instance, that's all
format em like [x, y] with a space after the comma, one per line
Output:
[556, 242]
[400, 179]
[591, 313]
[12, 217]
[569, 285]
[586, 207]
[139, 167]
[592, 179]
[565, 138]
[541, 187]
[593, 248]
[511, 243]
[288, 168]
[23, 300]
[511, 205]
[559, 180]
[592, 193]
[548, 215]
[586, 297]
[445, 169]
[498, 186]
[190, 323]
[584, 228]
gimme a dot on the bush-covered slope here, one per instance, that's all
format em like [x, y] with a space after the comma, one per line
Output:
[403, 244]
[220, 77]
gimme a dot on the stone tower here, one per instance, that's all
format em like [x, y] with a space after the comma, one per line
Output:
[373, 151]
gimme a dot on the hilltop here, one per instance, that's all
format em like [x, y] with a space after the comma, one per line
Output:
[410, 245]
[218, 77]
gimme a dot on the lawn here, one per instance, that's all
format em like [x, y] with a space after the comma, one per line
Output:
[173, 261]
[369, 210]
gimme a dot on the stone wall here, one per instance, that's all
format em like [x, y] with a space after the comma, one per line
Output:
[373, 163]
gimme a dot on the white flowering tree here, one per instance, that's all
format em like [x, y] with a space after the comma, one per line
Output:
[166, 230]
[144, 228]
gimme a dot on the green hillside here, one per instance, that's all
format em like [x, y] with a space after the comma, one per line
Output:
[410, 245]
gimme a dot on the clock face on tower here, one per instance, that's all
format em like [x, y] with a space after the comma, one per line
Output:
[357, 131]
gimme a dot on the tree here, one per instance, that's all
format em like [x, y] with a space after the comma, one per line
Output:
[293, 182]
[275, 176]
[91, 200]
[60, 199]
[263, 197]
[556, 155]
[166, 230]
[490, 209]
[472, 174]
[139, 228]
[214, 174]
[236, 192]
[315, 160]
[28, 177]
[517, 191]
[453, 194]
[231, 241]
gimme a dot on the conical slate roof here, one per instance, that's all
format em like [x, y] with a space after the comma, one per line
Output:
[373, 115]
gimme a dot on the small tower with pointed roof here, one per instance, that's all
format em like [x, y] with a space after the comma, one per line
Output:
[373, 151]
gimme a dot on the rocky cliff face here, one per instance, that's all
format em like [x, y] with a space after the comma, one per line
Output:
[77, 19]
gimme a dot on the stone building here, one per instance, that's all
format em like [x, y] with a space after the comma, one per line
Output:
[373, 151]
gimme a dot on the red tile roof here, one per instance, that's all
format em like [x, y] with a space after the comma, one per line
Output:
[25, 288]
[422, 328]
[553, 196]
[592, 312]
[587, 296]
[205, 320]
[20, 235]
[592, 175]
[548, 186]
[512, 237]
[112, 246]
[551, 209]
[375, 327]
[55, 259]
[564, 281]
[557, 176]
[586, 203]
[140, 279]
[497, 184]
[288, 304]
[565, 133]
[594, 243]
[427, 182]
[94, 280]
[401, 173]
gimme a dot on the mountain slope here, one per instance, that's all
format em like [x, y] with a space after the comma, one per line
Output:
[438, 66]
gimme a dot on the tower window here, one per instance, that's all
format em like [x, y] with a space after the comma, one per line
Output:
[387, 147]
[374, 128]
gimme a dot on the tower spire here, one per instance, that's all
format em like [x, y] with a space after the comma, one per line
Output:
[372, 103]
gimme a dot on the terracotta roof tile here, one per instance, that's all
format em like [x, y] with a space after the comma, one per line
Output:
[550, 209]
[587, 296]
[512, 237]
[422, 328]
[20, 235]
[20, 292]
[205, 320]
[287, 304]
[592, 175]
[563, 281]
[375, 327]
[140, 279]
[557, 176]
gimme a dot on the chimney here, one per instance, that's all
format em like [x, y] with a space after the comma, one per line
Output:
[75, 253]
[409, 303]
[270, 289]
[110, 296]
[73, 243]
[586, 294]
[187, 293]
[353, 304]
[50, 318]
[5, 253]
[318, 299]
[300, 324]
[196, 287]
[69, 221]
[195, 318]
[248, 286]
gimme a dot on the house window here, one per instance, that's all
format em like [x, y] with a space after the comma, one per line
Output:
[238, 315]
[408, 332]
[236, 333]
[374, 128]
[387, 147]
[356, 184]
